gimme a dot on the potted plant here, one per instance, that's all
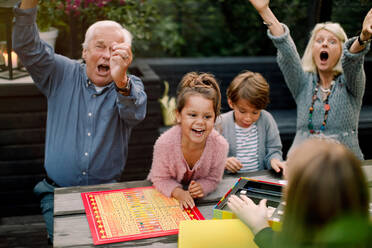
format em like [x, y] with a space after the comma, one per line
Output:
[49, 16]
[168, 106]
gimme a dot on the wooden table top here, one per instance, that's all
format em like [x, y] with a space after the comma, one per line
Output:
[71, 227]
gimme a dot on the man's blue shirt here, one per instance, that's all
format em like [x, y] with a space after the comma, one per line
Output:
[87, 131]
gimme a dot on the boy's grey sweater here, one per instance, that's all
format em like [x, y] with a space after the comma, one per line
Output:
[345, 99]
[269, 144]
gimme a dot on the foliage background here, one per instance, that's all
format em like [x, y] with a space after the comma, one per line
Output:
[195, 28]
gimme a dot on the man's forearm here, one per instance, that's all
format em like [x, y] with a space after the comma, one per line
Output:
[28, 4]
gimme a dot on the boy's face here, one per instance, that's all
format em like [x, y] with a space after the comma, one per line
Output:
[244, 112]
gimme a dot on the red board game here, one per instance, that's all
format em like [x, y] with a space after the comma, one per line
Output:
[135, 213]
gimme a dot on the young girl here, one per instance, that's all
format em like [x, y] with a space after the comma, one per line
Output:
[251, 131]
[326, 201]
[189, 158]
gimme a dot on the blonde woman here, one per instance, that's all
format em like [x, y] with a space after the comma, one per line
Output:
[326, 201]
[329, 83]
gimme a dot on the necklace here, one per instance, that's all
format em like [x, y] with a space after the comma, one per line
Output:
[327, 107]
[325, 92]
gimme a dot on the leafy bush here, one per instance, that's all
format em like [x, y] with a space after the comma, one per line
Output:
[191, 28]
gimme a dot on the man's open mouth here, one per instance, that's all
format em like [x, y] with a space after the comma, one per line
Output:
[103, 68]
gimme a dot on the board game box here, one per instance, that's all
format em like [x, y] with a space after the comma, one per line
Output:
[134, 213]
[256, 190]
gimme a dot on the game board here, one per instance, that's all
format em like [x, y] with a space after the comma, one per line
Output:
[134, 213]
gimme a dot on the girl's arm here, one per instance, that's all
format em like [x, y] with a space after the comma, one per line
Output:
[162, 172]
[216, 167]
[184, 197]
[254, 216]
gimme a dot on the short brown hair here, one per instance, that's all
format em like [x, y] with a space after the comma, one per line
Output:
[204, 84]
[250, 86]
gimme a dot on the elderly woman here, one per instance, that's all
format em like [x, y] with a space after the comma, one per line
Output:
[326, 201]
[329, 83]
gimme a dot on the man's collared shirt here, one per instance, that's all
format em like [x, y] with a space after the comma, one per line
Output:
[87, 131]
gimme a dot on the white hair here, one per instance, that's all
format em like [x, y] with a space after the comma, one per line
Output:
[308, 60]
[89, 34]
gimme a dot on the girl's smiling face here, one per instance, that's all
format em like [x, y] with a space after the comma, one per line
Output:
[196, 119]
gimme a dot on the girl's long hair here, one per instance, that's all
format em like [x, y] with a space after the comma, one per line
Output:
[325, 184]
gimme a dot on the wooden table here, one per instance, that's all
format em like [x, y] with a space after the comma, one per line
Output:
[71, 227]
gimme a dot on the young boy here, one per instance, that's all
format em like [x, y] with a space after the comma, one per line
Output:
[252, 133]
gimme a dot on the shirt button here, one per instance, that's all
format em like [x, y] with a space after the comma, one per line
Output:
[89, 114]
[86, 154]
[89, 134]
[84, 173]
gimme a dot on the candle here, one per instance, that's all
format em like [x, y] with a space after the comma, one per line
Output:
[14, 59]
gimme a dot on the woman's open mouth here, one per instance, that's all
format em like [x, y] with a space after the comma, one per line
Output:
[324, 56]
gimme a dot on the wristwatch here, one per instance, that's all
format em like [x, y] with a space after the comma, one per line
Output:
[363, 42]
[124, 90]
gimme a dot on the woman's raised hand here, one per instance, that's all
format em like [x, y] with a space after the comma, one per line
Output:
[260, 5]
[366, 33]
[263, 9]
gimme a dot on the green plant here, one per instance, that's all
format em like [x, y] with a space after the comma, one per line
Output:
[138, 16]
[168, 106]
[50, 14]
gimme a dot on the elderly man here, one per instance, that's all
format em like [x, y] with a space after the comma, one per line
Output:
[92, 107]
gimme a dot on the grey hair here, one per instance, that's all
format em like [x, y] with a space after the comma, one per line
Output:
[89, 34]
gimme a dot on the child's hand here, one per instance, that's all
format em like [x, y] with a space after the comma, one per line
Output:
[195, 190]
[183, 197]
[233, 164]
[278, 165]
[254, 216]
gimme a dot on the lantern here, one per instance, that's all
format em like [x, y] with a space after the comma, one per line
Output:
[10, 68]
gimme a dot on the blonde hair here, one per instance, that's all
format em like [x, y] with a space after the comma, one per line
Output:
[250, 86]
[325, 183]
[194, 83]
[307, 59]
[107, 23]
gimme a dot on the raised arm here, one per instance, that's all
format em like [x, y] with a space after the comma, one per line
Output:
[288, 58]
[270, 20]
[38, 57]
[365, 35]
[353, 59]
[28, 4]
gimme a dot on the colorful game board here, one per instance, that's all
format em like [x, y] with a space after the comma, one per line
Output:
[135, 213]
